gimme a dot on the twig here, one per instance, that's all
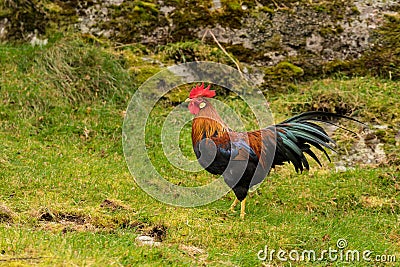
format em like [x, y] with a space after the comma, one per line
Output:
[223, 50]
[22, 259]
[280, 8]
[124, 45]
[204, 35]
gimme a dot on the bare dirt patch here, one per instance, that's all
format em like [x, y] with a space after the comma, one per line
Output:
[6, 214]
[113, 205]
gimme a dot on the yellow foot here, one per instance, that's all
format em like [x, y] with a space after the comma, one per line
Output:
[242, 215]
[232, 208]
[242, 208]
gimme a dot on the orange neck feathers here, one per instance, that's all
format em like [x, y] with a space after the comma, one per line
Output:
[207, 124]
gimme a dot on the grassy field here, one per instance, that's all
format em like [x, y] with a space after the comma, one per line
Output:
[67, 197]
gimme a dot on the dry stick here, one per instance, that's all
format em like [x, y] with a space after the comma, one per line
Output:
[223, 49]
[204, 35]
[278, 7]
[123, 45]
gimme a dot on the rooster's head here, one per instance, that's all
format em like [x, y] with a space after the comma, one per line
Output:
[197, 97]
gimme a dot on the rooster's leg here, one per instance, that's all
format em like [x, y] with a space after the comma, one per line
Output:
[235, 202]
[242, 208]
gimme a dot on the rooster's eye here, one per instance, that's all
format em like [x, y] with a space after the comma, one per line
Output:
[202, 105]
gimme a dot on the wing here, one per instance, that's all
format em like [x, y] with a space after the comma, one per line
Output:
[238, 156]
[239, 147]
[215, 153]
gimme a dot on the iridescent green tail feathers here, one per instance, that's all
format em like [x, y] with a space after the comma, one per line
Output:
[297, 135]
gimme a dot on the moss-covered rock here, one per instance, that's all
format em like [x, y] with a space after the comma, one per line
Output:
[283, 75]
[382, 59]
[318, 37]
[182, 52]
[133, 21]
[27, 18]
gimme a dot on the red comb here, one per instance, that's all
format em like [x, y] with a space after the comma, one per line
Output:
[200, 91]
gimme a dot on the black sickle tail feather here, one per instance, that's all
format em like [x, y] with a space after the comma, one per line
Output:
[296, 136]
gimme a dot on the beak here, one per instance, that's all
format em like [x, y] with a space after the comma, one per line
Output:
[187, 100]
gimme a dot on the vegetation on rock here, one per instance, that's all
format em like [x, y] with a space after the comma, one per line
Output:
[320, 37]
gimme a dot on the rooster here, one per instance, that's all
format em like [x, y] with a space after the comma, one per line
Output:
[245, 158]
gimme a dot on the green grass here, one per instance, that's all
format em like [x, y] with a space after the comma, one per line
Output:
[67, 197]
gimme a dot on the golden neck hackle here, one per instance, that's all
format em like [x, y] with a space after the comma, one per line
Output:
[207, 124]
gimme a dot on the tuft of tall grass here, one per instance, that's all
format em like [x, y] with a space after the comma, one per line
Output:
[82, 72]
[68, 72]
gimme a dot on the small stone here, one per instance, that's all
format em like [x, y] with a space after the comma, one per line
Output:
[381, 127]
[341, 168]
[147, 240]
